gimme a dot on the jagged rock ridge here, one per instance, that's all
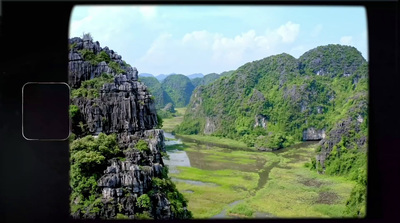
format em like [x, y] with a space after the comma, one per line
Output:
[127, 109]
[81, 70]
[124, 107]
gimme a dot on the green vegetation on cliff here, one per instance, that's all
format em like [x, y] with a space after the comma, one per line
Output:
[280, 100]
[161, 97]
[88, 160]
[179, 88]
[207, 79]
[91, 88]
[93, 58]
[273, 100]
[176, 89]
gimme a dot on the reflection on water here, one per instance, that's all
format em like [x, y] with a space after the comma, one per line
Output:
[176, 158]
[198, 158]
[169, 135]
[168, 142]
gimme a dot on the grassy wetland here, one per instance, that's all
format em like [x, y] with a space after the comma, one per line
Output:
[223, 180]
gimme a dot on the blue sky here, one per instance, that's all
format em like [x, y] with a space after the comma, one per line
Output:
[205, 39]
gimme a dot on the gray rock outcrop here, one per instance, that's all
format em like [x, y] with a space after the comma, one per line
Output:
[312, 134]
[261, 120]
[211, 125]
[81, 70]
[125, 181]
[348, 128]
[169, 108]
[124, 107]
[342, 129]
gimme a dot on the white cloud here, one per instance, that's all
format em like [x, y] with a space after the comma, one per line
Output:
[346, 40]
[205, 51]
[118, 27]
[100, 20]
[200, 39]
[289, 32]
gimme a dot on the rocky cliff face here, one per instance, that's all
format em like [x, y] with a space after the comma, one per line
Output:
[124, 182]
[81, 70]
[312, 134]
[349, 129]
[125, 108]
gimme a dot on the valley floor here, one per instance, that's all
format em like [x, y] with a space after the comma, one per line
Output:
[230, 183]
[170, 123]
[259, 184]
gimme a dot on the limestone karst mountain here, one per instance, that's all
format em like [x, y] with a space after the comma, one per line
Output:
[277, 101]
[154, 86]
[299, 99]
[117, 169]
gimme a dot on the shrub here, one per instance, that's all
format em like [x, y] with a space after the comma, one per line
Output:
[356, 204]
[159, 122]
[73, 110]
[88, 160]
[88, 55]
[242, 209]
[276, 141]
[142, 146]
[94, 59]
[116, 67]
[103, 56]
[142, 216]
[143, 201]
[313, 164]
[91, 88]
[72, 46]
[189, 127]
[121, 216]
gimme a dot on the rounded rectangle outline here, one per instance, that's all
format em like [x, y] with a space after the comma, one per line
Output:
[22, 124]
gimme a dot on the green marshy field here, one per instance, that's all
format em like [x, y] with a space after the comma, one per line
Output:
[170, 123]
[289, 190]
[249, 184]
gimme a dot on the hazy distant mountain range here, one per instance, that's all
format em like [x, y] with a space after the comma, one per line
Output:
[161, 77]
